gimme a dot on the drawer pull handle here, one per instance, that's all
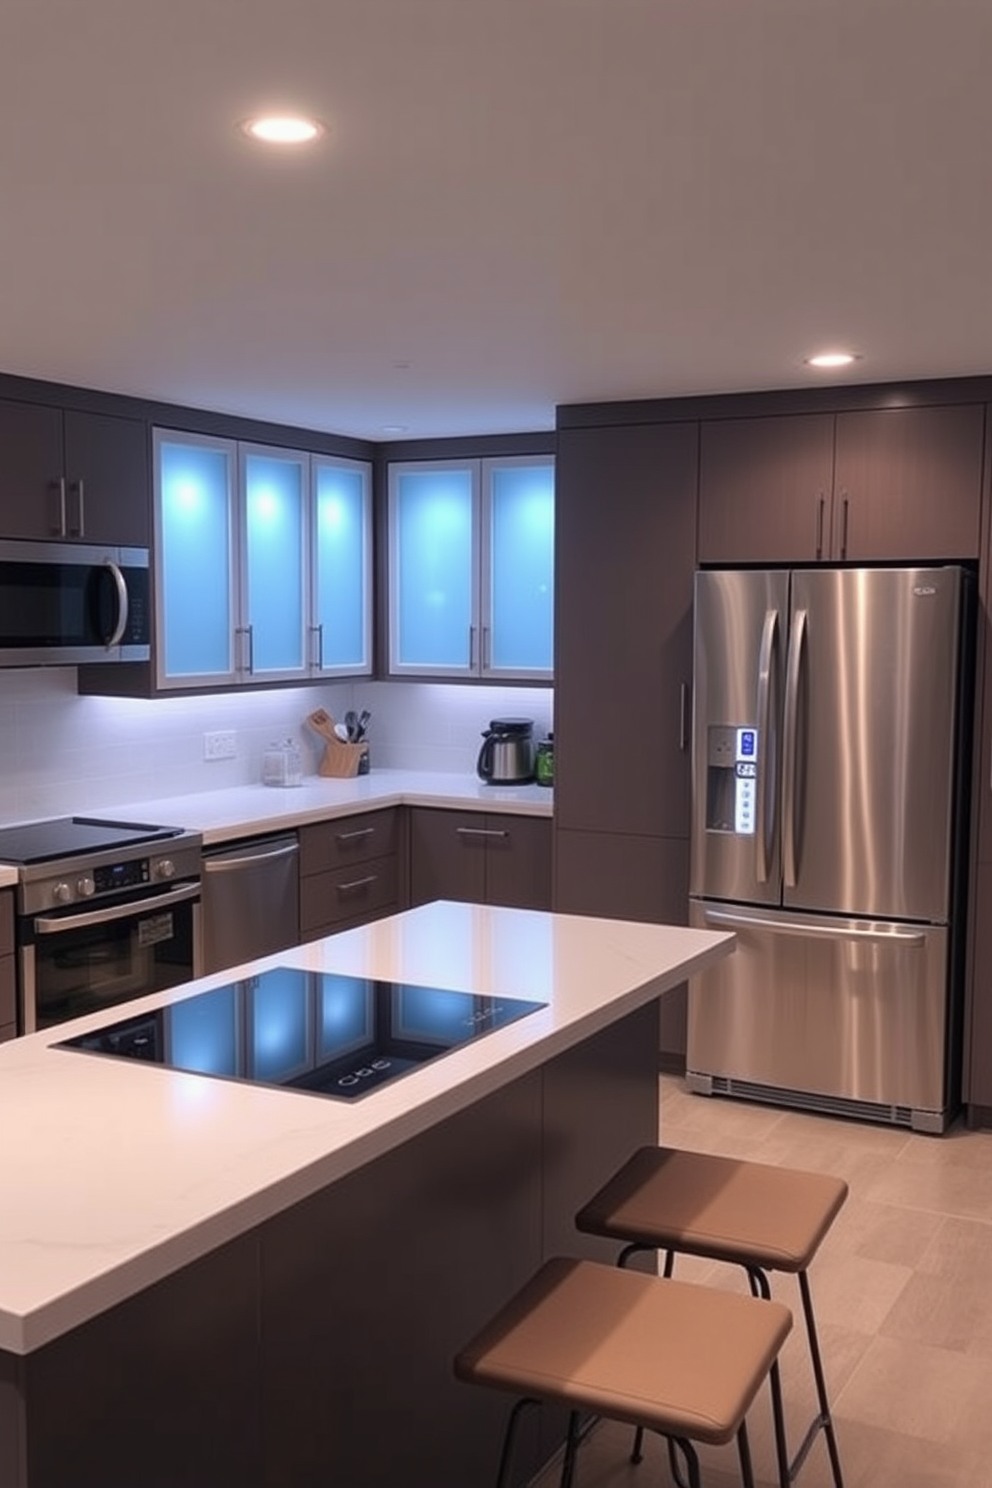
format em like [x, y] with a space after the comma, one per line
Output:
[352, 836]
[480, 832]
[357, 883]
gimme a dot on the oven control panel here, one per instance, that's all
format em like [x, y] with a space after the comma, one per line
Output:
[114, 876]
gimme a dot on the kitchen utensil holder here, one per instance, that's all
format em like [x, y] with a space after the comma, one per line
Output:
[340, 761]
[343, 760]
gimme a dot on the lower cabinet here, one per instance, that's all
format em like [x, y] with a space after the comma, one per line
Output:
[352, 870]
[481, 857]
[625, 877]
[8, 990]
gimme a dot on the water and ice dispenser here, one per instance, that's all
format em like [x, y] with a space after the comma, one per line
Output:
[731, 779]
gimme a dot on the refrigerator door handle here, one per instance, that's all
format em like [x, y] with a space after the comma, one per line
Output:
[880, 935]
[797, 643]
[765, 821]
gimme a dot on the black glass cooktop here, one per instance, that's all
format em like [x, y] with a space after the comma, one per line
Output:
[38, 842]
[317, 1032]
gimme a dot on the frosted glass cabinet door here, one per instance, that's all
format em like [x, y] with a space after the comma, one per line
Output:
[433, 551]
[518, 581]
[194, 554]
[342, 609]
[275, 485]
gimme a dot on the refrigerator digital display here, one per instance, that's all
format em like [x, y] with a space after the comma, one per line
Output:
[745, 782]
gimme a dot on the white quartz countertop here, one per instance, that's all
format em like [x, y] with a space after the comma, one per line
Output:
[115, 1173]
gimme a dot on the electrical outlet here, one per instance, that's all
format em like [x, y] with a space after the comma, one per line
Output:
[219, 745]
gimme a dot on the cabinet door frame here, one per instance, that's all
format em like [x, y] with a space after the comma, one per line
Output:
[397, 470]
[164, 680]
[489, 467]
[245, 624]
[364, 469]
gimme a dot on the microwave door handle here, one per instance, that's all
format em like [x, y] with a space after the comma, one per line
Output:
[765, 820]
[790, 772]
[121, 586]
[133, 908]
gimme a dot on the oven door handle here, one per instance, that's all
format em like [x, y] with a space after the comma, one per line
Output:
[117, 911]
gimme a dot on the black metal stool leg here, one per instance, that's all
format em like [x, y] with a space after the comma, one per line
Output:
[571, 1450]
[824, 1420]
[744, 1453]
[506, 1454]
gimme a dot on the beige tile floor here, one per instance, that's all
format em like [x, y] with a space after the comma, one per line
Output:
[902, 1288]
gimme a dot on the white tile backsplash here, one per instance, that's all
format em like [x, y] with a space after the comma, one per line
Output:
[61, 753]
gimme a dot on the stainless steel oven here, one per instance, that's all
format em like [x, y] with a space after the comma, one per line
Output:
[106, 911]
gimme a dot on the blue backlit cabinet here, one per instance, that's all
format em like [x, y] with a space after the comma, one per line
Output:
[471, 568]
[263, 563]
[341, 592]
[197, 576]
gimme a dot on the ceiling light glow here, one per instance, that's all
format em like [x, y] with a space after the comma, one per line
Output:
[827, 359]
[283, 129]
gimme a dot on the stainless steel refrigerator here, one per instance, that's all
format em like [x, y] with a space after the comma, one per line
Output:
[830, 731]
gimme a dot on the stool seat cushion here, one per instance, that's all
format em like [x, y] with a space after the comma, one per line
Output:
[722, 1207]
[682, 1359]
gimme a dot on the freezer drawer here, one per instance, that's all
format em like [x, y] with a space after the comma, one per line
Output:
[824, 1012]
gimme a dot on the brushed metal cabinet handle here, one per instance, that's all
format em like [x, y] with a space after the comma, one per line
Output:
[357, 883]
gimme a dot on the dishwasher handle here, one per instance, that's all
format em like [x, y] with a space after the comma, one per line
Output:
[224, 864]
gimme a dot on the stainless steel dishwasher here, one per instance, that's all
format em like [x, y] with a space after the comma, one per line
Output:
[250, 900]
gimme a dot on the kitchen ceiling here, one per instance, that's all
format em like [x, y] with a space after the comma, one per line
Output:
[518, 203]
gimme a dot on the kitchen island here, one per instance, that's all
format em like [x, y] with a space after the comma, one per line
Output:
[205, 1282]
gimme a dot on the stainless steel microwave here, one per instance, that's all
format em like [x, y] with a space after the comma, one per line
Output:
[66, 603]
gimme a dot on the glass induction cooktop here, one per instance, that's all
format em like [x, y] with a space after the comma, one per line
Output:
[316, 1032]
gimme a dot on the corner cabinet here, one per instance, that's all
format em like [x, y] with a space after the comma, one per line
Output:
[471, 568]
[480, 857]
[263, 563]
[864, 485]
[73, 476]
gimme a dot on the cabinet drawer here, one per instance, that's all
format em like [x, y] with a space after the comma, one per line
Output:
[348, 840]
[360, 889]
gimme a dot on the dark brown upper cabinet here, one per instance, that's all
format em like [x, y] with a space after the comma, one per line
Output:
[73, 476]
[871, 485]
[765, 489]
[625, 539]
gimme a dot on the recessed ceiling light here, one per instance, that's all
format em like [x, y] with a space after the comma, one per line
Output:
[827, 359]
[283, 129]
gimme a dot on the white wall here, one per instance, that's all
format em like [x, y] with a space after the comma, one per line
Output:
[61, 753]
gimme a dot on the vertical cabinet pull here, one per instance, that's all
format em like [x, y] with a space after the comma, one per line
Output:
[78, 527]
[683, 716]
[58, 511]
[820, 508]
[843, 530]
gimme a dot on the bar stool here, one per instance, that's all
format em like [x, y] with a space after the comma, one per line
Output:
[753, 1215]
[682, 1360]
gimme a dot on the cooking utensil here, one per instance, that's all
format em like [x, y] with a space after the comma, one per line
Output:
[351, 724]
[364, 719]
[342, 732]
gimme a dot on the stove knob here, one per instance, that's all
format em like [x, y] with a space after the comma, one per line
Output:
[62, 894]
[165, 869]
[85, 887]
